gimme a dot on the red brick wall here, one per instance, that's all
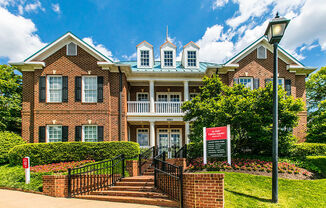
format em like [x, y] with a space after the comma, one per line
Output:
[55, 185]
[132, 167]
[203, 190]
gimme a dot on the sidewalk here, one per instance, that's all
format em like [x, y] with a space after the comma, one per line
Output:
[17, 199]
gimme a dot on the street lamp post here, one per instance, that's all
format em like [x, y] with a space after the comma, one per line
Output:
[274, 32]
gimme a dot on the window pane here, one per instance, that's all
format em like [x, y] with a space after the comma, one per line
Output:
[191, 58]
[54, 133]
[142, 97]
[90, 89]
[168, 58]
[55, 89]
[144, 58]
[142, 137]
[90, 133]
[246, 82]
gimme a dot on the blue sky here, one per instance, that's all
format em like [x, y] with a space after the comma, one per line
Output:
[221, 27]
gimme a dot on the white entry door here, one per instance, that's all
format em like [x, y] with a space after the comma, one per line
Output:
[169, 140]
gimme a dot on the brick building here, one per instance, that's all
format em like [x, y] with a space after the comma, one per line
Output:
[72, 92]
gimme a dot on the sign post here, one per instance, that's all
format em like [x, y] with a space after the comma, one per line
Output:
[26, 166]
[217, 142]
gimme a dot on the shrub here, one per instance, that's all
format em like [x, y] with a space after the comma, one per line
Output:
[7, 141]
[195, 150]
[305, 149]
[45, 153]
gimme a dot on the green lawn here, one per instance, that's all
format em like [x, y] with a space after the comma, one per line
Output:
[245, 190]
[14, 177]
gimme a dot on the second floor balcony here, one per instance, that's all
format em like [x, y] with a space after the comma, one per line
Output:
[160, 107]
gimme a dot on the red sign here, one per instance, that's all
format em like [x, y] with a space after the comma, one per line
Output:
[25, 162]
[216, 133]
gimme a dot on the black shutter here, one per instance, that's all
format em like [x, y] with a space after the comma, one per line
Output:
[256, 83]
[100, 133]
[268, 80]
[41, 134]
[65, 133]
[78, 133]
[235, 81]
[64, 89]
[42, 88]
[288, 87]
[78, 89]
[100, 89]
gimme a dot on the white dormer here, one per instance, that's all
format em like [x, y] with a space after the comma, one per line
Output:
[145, 55]
[190, 55]
[168, 55]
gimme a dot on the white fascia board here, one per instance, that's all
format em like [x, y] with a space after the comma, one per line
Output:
[230, 66]
[30, 66]
[166, 79]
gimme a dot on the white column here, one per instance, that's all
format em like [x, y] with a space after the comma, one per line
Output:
[186, 90]
[151, 96]
[152, 133]
[187, 132]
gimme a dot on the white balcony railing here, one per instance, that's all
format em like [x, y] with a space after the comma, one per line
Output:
[168, 107]
[160, 107]
[138, 106]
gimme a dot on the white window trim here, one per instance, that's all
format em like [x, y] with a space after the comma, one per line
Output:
[193, 93]
[143, 132]
[67, 50]
[168, 94]
[169, 134]
[149, 59]
[137, 93]
[48, 89]
[265, 57]
[83, 89]
[47, 133]
[195, 59]
[83, 132]
[252, 81]
[283, 82]
[172, 58]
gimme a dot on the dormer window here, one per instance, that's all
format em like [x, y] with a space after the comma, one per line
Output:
[191, 58]
[261, 52]
[168, 58]
[144, 58]
[71, 49]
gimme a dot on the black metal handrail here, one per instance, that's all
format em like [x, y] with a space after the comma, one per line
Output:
[97, 176]
[145, 159]
[181, 153]
[168, 178]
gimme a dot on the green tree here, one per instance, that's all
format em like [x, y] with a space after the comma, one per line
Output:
[316, 94]
[249, 112]
[10, 99]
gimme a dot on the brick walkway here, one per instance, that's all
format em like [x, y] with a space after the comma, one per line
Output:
[17, 199]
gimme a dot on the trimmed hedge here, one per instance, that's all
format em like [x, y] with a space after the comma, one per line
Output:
[7, 141]
[305, 149]
[45, 153]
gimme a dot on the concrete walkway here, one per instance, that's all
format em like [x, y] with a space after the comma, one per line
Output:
[17, 199]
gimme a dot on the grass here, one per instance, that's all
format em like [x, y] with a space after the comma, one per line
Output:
[245, 190]
[318, 161]
[14, 177]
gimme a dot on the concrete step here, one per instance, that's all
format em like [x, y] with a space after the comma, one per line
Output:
[137, 200]
[131, 194]
[137, 183]
[132, 188]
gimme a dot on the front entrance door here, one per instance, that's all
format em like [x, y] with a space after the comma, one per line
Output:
[169, 140]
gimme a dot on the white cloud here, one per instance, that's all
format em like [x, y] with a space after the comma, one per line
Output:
[33, 7]
[131, 57]
[17, 37]
[101, 48]
[56, 8]
[219, 3]
[21, 9]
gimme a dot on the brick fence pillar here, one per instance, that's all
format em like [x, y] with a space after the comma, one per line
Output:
[178, 162]
[132, 167]
[203, 190]
[55, 185]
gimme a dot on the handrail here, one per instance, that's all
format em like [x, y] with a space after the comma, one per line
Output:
[181, 153]
[96, 176]
[149, 153]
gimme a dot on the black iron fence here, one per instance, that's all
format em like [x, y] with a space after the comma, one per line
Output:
[181, 153]
[168, 178]
[94, 177]
[145, 159]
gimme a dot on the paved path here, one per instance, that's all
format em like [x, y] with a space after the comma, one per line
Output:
[18, 199]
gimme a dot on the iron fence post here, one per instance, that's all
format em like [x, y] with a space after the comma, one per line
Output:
[155, 178]
[69, 182]
[123, 165]
[139, 164]
[163, 164]
[181, 186]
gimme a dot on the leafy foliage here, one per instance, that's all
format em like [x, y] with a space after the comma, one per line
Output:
[317, 124]
[249, 112]
[46, 153]
[316, 88]
[305, 149]
[10, 99]
[7, 141]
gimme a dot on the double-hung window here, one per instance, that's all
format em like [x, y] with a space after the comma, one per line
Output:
[246, 81]
[191, 58]
[54, 133]
[143, 137]
[281, 82]
[142, 96]
[168, 58]
[54, 88]
[90, 133]
[144, 58]
[89, 89]
[193, 95]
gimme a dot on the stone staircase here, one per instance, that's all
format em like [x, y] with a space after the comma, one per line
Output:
[137, 189]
